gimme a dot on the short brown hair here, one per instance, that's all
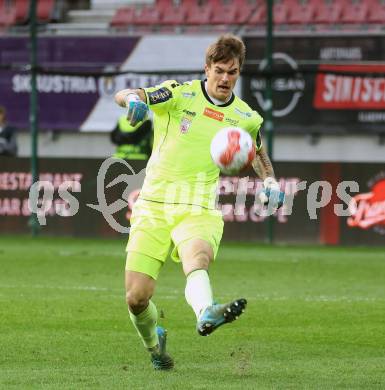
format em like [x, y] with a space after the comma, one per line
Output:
[227, 47]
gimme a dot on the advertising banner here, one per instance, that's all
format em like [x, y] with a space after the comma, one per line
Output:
[65, 101]
[366, 222]
[79, 76]
[320, 84]
[90, 197]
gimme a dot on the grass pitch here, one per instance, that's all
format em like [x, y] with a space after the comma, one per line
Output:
[315, 319]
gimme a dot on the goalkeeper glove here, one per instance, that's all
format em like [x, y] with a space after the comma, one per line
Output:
[137, 110]
[271, 194]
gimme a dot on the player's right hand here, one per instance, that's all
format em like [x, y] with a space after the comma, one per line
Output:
[137, 110]
[271, 195]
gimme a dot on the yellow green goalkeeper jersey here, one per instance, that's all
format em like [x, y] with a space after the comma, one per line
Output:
[180, 169]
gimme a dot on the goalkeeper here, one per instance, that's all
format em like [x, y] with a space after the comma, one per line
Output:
[176, 205]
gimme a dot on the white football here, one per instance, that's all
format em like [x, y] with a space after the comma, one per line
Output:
[232, 150]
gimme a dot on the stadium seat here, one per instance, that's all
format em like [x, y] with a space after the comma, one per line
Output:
[173, 15]
[301, 13]
[7, 14]
[124, 16]
[147, 16]
[355, 13]
[22, 10]
[327, 13]
[224, 14]
[246, 11]
[376, 12]
[258, 16]
[281, 13]
[7, 19]
[198, 15]
[44, 10]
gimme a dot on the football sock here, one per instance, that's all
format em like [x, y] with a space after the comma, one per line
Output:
[198, 291]
[145, 324]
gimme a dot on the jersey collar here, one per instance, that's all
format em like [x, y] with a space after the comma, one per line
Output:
[208, 97]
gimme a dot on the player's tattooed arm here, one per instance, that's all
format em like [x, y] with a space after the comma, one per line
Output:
[262, 164]
[121, 96]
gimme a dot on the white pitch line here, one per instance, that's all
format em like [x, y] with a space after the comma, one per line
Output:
[41, 286]
[175, 294]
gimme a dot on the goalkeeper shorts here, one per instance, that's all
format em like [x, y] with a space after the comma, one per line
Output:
[158, 227]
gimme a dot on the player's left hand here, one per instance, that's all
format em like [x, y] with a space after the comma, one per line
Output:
[271, 195]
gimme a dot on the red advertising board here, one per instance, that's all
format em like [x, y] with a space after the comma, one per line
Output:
[368, 209]
[337, 90]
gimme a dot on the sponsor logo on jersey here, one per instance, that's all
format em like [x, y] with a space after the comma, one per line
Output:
[368, 210]
[190, 113]
[188, 95]
[242, 114]
[231, 121]
[159, 96]
[217, 115]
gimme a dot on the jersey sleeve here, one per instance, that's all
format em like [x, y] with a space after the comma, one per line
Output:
[162, 98]
[256, 129]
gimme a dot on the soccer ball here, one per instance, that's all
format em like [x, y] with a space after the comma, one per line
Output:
[232, 150]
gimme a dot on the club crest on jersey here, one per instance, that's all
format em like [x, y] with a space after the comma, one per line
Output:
[185, 125]
[186, 121]
[213, 114]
